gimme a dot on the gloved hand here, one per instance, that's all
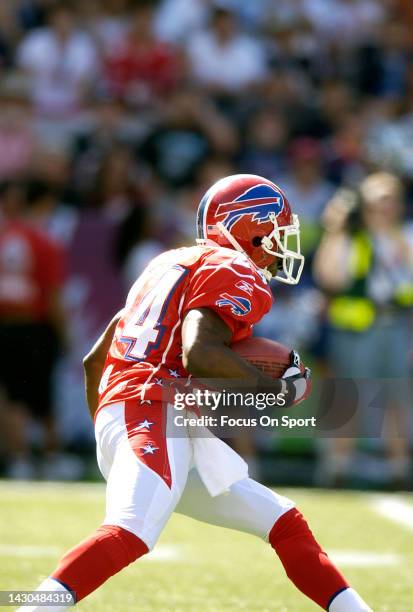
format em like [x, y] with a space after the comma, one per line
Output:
[296, 380]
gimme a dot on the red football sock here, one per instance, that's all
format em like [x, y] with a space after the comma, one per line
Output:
[305, 562]
[89, 564]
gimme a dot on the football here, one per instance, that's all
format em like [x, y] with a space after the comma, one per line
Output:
[271, 357]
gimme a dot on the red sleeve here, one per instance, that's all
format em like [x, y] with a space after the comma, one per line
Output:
[232, 293]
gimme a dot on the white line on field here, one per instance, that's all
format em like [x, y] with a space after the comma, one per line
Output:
[29, 551]
[363, 559]
[52, 486]
[166, 553]
[395, 509]
[163, 553]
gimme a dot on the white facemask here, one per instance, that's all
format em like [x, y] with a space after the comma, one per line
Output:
[277, 244]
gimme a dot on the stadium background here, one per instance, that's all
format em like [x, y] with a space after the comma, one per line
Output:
[116, 115]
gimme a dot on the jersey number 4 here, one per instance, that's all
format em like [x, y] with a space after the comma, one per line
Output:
[143, 330]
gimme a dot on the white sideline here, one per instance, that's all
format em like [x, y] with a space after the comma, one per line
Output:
[347, 558]
[162, 553]
[32, 552]
[395, 509]
[166, 553]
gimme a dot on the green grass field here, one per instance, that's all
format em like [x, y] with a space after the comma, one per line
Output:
[197, 567]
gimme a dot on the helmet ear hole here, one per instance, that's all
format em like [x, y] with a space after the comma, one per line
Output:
[256, 241]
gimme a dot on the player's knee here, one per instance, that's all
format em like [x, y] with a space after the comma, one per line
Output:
[104, 553]
[293, 540]
[125, 544]
[110, 547]
[290, 525]
[130, 526]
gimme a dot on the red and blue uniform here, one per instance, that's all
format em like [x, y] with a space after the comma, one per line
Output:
[147, 346]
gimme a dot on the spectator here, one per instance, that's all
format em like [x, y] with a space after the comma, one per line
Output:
[389, 140]
[137, 244]
[383, 64]
[108, 127]
[48, 214]
[396, 56]
[53, 167]
[9, 32]
[295, 47]
[17, 138]
[61, 62]
[140, 68]
[106, 21]
[31, 323]
[223, 59]
[366, 266]
[354, 19]
[189, 131]
[337, 100]
[306, 187]
[32, 13]
[264, 146]
[175, 18]
[345, 153]
[116, 190]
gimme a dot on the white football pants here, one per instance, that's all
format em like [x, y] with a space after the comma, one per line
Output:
[150, 476]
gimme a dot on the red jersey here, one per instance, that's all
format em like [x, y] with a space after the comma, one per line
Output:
[31, 266]
[147, 345]
[156, 66]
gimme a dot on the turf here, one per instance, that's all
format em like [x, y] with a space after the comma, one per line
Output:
[202, 568]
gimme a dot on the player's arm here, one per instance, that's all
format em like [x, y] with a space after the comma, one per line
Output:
[94, 362]
[206, 354]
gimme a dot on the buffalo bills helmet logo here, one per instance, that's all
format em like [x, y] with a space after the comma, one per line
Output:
[258, 201]
[240, 306]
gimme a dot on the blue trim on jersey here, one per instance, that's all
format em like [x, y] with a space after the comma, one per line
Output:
[336, 595]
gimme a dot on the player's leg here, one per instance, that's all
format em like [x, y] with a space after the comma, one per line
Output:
[143, 489]
[253, 508]
[15, 374]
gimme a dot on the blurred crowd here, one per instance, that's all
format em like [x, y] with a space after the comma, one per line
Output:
[117, 115]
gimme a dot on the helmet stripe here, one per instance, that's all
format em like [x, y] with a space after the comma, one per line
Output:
[201, 215]
[203, 209]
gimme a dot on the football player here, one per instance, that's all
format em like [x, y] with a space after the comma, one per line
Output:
[180, 318]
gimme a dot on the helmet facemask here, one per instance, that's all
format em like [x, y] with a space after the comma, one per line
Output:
[283, 243]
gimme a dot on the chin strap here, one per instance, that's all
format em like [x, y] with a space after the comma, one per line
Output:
[223, 230]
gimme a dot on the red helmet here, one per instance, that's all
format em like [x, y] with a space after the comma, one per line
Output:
[252, 215]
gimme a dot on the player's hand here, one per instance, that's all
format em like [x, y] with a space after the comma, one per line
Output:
[296, 380]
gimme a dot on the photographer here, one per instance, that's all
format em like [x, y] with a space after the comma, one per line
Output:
[365, 265]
